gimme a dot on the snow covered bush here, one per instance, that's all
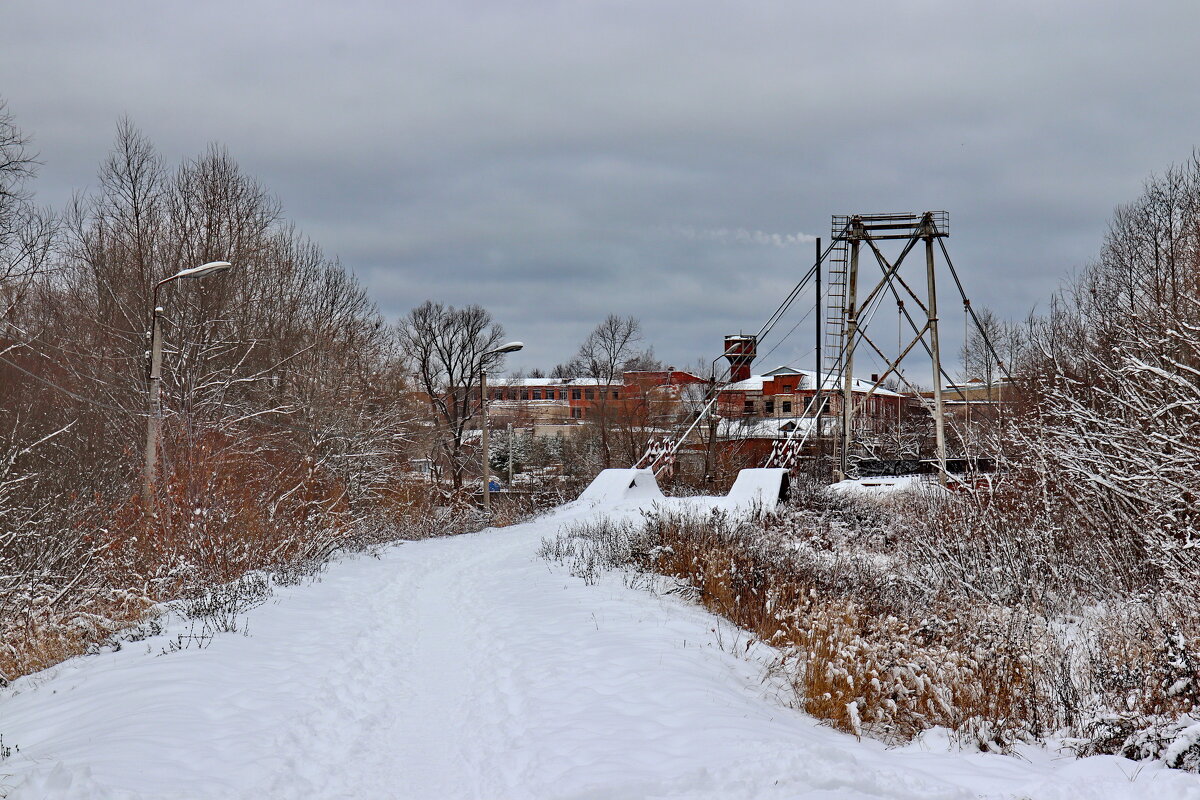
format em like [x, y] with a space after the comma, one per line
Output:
[1113, 375]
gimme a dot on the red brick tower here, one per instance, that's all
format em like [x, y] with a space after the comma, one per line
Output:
[741, 351]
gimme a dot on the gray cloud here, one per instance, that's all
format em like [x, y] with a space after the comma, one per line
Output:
[558, 161]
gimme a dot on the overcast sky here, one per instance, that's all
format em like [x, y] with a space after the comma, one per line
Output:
[556, 162]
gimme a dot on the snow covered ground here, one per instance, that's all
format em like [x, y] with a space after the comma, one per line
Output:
[468, 668]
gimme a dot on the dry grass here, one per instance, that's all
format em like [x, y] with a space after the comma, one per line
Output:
[853, 656]
[883, 637]
[45, 637]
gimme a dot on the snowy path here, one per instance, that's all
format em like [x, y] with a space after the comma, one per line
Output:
[468, 668]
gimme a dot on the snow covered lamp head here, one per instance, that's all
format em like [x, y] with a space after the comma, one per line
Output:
[210, 268]
[510, 347]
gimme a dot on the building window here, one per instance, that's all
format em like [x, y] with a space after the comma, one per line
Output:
[525, 395]
[576, 413]
[537, 394]
[576, 394]
[770, 406]
[616, 395]
[590, 394]
[787, 406]
[748, 407]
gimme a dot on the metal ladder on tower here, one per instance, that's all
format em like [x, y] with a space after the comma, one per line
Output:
[786, 452]
[835, 300]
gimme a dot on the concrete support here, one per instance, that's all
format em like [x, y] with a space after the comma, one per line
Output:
[154, 420]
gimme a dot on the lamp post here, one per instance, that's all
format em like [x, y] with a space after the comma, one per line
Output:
[153, 422]
[511, 347]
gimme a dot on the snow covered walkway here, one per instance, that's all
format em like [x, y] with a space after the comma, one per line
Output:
[468, 668]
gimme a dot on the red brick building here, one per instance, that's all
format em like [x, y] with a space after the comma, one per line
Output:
[566, 401]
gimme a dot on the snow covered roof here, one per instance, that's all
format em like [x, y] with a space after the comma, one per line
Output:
[975, 384]
[887, 485]
[807, 382]
[767, 427]
[536, 382]
[751, 384]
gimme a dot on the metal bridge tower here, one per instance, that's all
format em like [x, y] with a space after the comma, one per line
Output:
[846, 325]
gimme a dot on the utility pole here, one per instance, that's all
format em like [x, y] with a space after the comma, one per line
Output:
[154, 377]
[820, 351]
[154, 421]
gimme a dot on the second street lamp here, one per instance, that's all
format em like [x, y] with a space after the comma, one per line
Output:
[154, 421]
[511, 347]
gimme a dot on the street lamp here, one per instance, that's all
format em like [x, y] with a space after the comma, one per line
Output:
[154, 421]
[511, 347]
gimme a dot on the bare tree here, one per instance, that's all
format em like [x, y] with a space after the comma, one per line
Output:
[27, 233]
[602, 357]
[1115, 368]
[288, 402]
[565, 371]
[447, 346]
[992, 333]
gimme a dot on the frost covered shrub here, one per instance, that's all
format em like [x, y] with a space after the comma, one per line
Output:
[79, 571]
[226, 508]
[594, 547]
